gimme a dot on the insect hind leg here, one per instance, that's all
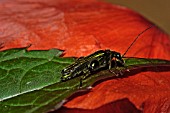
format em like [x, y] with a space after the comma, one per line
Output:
[87, 73]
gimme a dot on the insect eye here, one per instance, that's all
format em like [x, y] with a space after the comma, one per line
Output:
[118, 55]
[94, 64]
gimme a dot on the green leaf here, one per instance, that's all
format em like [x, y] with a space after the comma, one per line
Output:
[30, 80]
[23, 75]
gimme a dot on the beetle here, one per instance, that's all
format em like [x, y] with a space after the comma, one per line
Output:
[92, 63]
[85, 66]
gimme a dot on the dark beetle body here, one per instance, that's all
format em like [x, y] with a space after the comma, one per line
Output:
[86, 65]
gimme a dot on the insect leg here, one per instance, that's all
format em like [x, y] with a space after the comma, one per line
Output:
[80, 83]
[117, 71]
[86, 74]
[113, 72]
[110, 62]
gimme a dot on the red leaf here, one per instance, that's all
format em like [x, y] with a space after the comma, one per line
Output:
[81, 27]
[120, 106]
[147, 90]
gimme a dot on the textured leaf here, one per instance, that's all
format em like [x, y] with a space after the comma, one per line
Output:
[24, 76]
[119, 106]
[22, 71]
[79, 27]
[30, 81]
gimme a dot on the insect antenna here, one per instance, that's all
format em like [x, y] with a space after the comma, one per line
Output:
[136, 39]
[156, 68]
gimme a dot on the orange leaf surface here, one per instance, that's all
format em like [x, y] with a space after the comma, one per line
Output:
[81, 27]
[120, 106]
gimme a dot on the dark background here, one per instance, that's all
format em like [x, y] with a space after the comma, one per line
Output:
[157, 11]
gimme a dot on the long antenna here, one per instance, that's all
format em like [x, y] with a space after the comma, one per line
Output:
[136, 39]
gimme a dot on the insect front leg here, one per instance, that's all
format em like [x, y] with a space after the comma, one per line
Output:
[110, 64]
[117, 71]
